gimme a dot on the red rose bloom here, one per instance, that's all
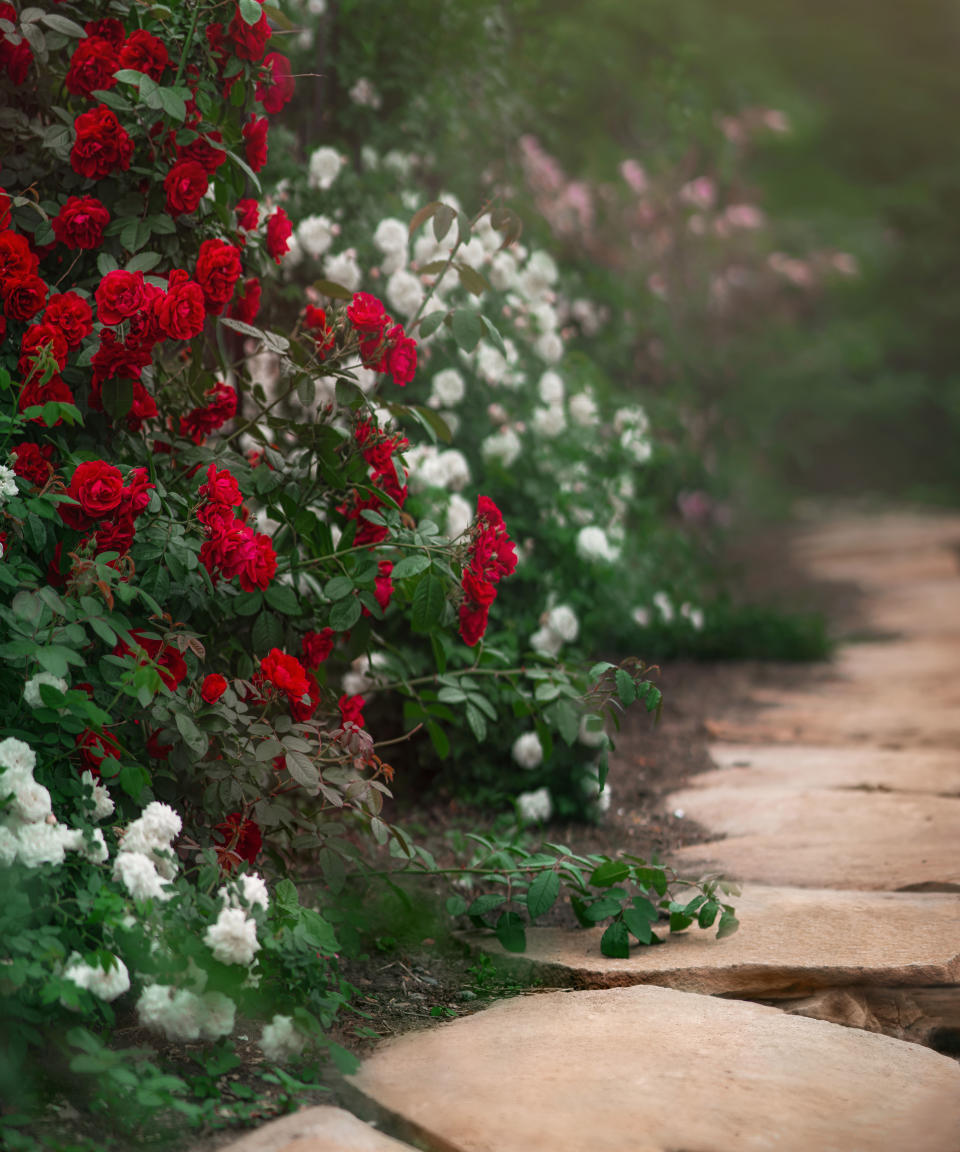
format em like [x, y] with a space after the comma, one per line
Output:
[170, 663]
[246, 303]
[102, 146]
[239, 836]
[285, 672]
[255, 141]
[24, 298]
[221, 487]
[401, 356]
[97, 486]
[80, 222]
[275, 86]
[218, 270]
[260, 565]
[156, 750]
[221, 407]
[33, 394]
[92, 66]
[383, 586]
[473, 622]
[114, 359]
[36, 339]
[144, 53]
[15, 59]
[94, 748]
[32, 462]
[108, 28]
[17, 260]
[248, 214]
[180, 311]
[367, 314]
[213, 687]
[279, 231]
[315, 647]
[4, 210]
[249, 40]
[185, 185]
[204, 153]
[71, 315]
[119, 296]
[115, 536]
[351, 710]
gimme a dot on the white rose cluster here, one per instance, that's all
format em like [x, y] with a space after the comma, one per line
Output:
[431, 468]
[527, 750]
[104, 983]
[29, 831]
[145, 860]
[324, 167]
[233, 938]
[8, 482]
[534, 807]
[594, 546]
[315, 234]
[559, 625]
[281, 1040]
[179, 1014]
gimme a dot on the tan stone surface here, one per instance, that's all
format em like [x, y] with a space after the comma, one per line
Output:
[862, 767]
[320, 1129]
[648, 1069]
[790, 940]
[820, 838]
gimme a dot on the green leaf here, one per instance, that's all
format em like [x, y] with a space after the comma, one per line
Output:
[456, 906]
[471, 279]
[467, 328]
[338, 587]
[542, 893]
[708, 913]
[478, 725]
[601, 909]
[344, 614]
[192, 736]
[511, 932]
[430, 323]
[283, 599]
[62, 24]
[267, 632]
[250, 11]
[439, 739]
[410, 566]
[443, 218]
[615, 942]
[495, 337]
[143, 262]
[626, 688]
[484, 904]
[422, 215]
[173, 104]
[598, 669]
[728, 924]
[332, 290]
[678, 922]
[450, 695]
[609, 873]
[638, 924]
[428, 601]
[247, 603]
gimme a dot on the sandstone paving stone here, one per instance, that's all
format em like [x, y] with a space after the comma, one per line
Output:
[822, 838]
[648, 1069]
[790, 942]
[862, 767]
[319, 1129]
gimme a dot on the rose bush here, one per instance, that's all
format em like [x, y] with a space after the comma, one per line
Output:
[204, 525]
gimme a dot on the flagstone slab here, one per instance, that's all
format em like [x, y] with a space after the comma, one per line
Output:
[790, 941]
[320, 1129]
[822, 838]
[649, 1069]
[862, 767]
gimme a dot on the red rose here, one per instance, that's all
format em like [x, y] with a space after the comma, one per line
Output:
[383, 585]
[114, 359]
[477, 590]
[119, 296]
[275, 86]
[115, 536]
[17, 260]
[108, 28]
[473, 622]
[204, 153]
[213, 687]
[170, 663]
[401, 356]
[248, 215]
[249, 40]
[317, 646]
[32, 462]
[185, 185]
[246, 304]
[96, 486]
[279, 231]
[285, 672]
[24, 298]
[260, 565]
[33, 394]
[36, 339]
[221, 407]
[71, 315]
[144, 53]
[136, 493]
[255, 136]
[180, 311]
[4, 210]
[15, 58]
[218, 270]
[92, 67]
[221, 487]
[156, 750]
[80, 222]
[239, 836]
[101, 146]
[94, 748]
[366, 313]
[351, 710]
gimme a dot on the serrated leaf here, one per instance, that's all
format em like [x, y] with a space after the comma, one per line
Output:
[410, 566]
[439, 739]
[250, 11]
[615, 942]
[608, 873]
[484, 904]
[477, 722]
[422, 215]
[708, 913]
[62, 24]
[247, 603]
[542, 893]
[728, 924]
[471, 279]
[448, 695]
[345, 613]
[626, 689]
[467, 328]
[494, 333]
[304, 771]
[283, 599]
[638, 924]
[443, 219]
[430, 323]
[428, 600]
[332, 290]
[267, 632]
[511, 932]
[678, 922]
[338, 587]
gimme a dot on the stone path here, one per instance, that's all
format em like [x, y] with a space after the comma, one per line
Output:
[838, 805]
